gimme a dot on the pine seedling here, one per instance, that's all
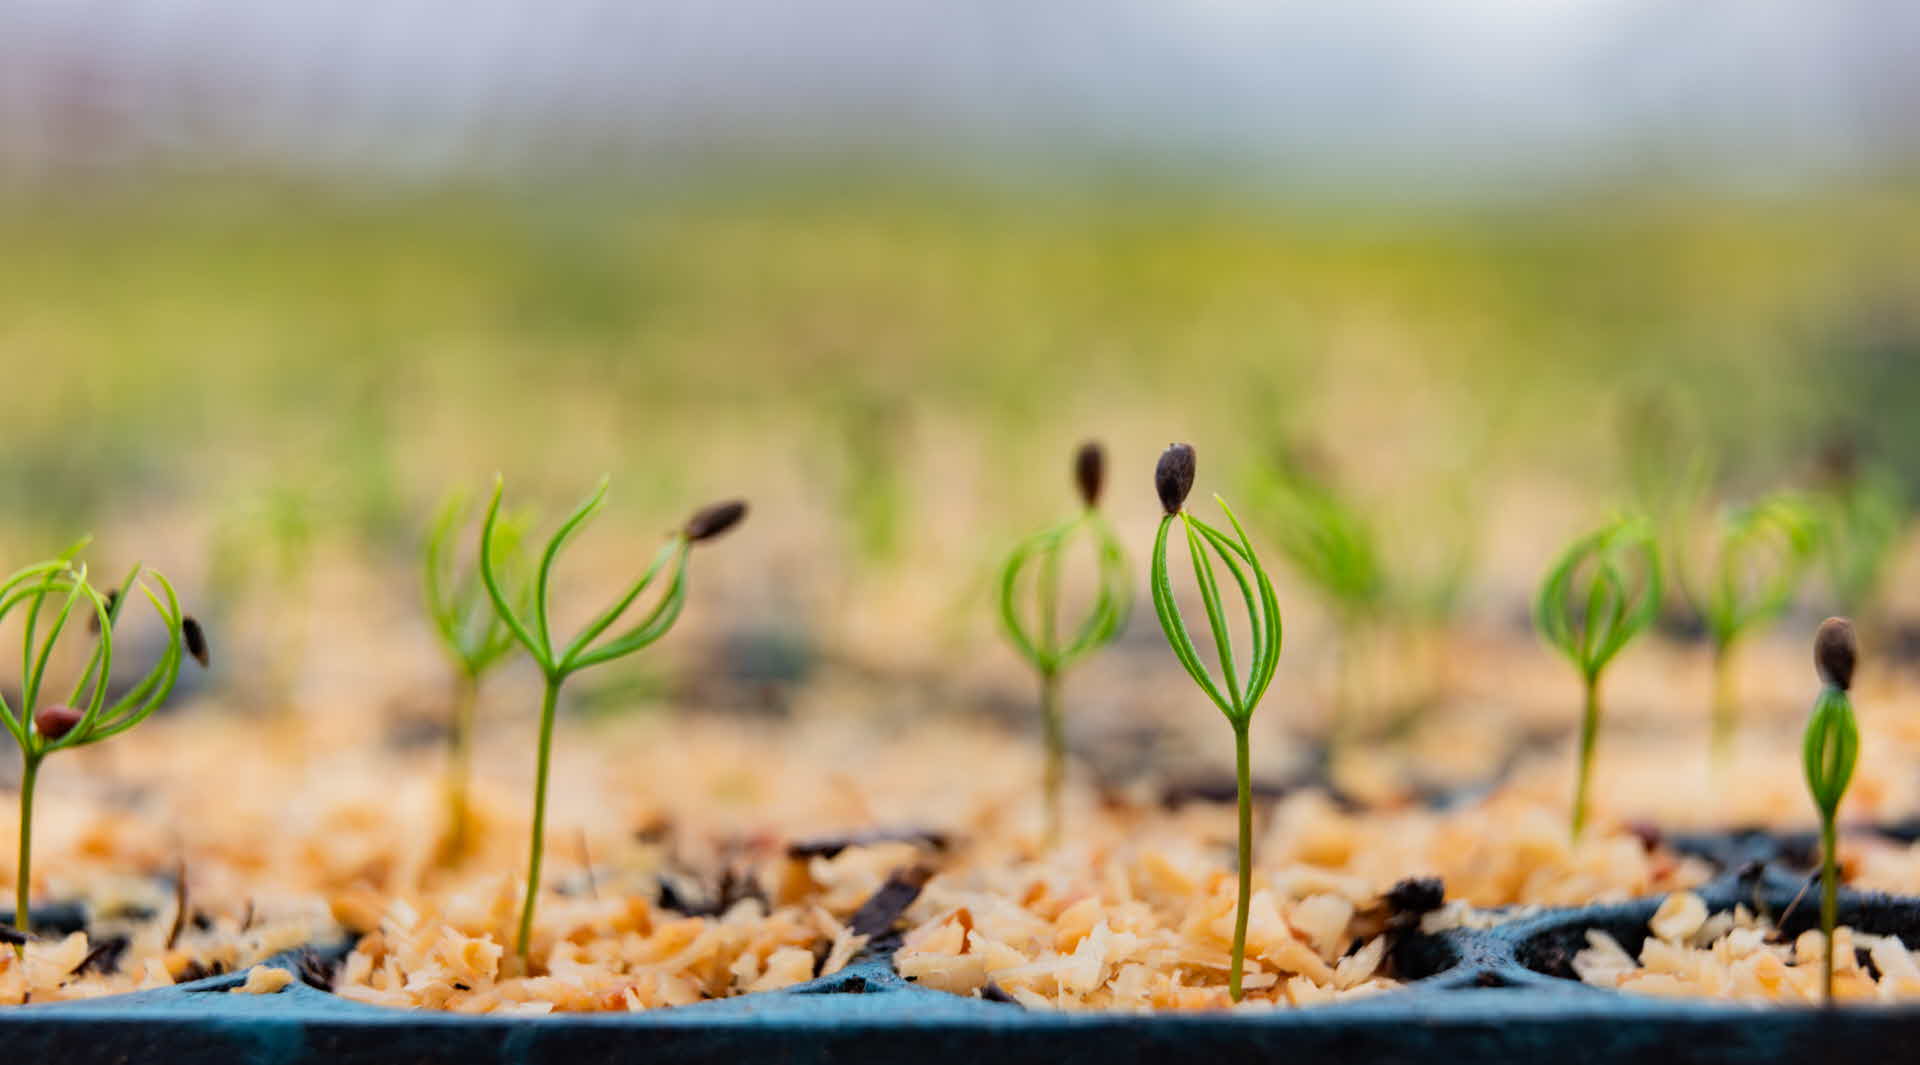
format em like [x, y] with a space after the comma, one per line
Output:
[1338, 549]
[1863, 518]
[42, 724]
[1763, 552]
[1602, 592]
[1831, 747]
[475, 636]
[1236, 696]
[529, 622]
[1042, 641]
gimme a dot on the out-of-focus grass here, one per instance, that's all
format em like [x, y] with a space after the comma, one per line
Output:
[208, 344]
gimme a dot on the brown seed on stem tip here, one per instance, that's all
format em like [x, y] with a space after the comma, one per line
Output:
[1173, 477]
[196, 641]
[1090, 471]
[712, 520]
[54, 722]
[1834, 652]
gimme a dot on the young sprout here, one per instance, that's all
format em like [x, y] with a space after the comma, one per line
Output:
[1832, 744]
[1763, 551]
[530, 625]
[1044, 644]
[1863, 517]
[1603, 591]
[475, 636]
[1337, 547]
[1237, 698]
[43, 723]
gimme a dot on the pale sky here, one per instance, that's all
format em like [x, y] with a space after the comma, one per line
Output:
[1376, 85]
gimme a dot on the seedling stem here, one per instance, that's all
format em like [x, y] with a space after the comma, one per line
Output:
[1173, 479]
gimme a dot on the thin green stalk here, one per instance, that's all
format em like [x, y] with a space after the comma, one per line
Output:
[1243, 773]
[29, 771]
[1829, 902]
[1589, 731]
[1056, 730]
[1726, 704]
[1173, 479]
[1618, 566]
[536, 634]
[547, 704]
[1830, 749]
[466, 695]
[1048, 646]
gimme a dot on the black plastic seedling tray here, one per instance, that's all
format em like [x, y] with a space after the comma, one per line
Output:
[1498, 995]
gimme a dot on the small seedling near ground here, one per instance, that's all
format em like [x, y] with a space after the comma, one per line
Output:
[1603, 591]
[1831, 747]
[1043, 642]
[42, 723]
[475, 636]
[1762, 553]
[1237, 696]
[530, 625]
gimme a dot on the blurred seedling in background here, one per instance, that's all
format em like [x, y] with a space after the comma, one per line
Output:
[1602, 592]
[260, 561]
[1041, 640]
[1830, 749]
[1864, 514]
[1760, 554]
[1386, 609]
[474, 634]
[527, 617]
[1669, 469]
[1237, 696]
[43, 723]
[871, 428]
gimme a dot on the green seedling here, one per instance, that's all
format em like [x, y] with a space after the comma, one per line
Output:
[41, 724]
[1831, 747]
[1762, 553]
[1603, 591]
[1336, 547]
[1236, 696]
[529, 622]
[474, 634]
[1045, 645]
[1863, 518]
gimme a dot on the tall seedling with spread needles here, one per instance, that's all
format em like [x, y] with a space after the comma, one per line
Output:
[530, 625]
[1762, 553]
[1237, 696]
[1042, 642]
[1603, 591]
[475, 635]
[43, 725]
[1831, 747]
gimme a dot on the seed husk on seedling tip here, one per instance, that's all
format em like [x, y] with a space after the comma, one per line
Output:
[1048, 648]
[1238, 697]
[530, 625]
[1830, 750]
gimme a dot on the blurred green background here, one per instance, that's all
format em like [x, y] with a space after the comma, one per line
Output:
[1478, 279]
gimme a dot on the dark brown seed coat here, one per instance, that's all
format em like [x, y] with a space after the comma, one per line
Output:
[1090, 471]
[196, 640]
[1173, 477]
[53, 722]
[710, 521]
[1835, 651]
